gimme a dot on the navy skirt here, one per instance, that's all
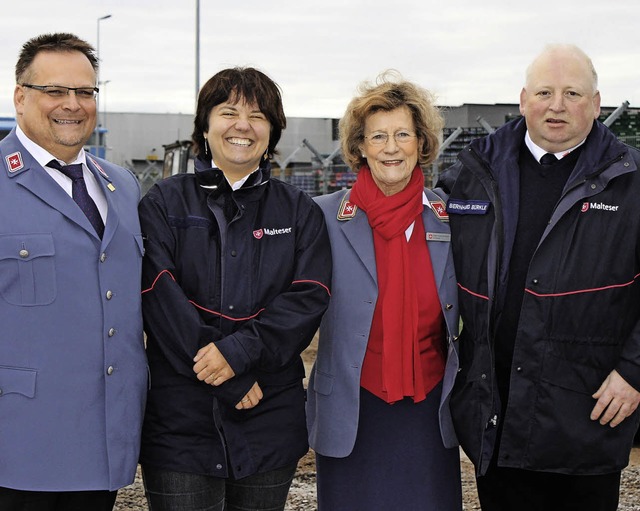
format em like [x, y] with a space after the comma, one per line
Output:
[398, 461]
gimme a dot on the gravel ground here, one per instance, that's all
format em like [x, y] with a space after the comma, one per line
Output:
[302, 496]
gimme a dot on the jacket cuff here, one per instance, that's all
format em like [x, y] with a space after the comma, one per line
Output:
[234, 354]
[629, 371]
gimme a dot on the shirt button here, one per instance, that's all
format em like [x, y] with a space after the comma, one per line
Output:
[231, 307]
[234, 253]
[110, 370]
[218, 466]
[111, 332]
[24, 253]
[109, 295]
[535, 281]
[448, 306]
[519, 369]
[103, 257]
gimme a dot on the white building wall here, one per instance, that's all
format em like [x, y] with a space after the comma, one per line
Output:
[318, 133]
[135, 135]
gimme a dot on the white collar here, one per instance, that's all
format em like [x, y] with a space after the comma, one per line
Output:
[409, 230]
[41, 155]
[538, 152]
[238, 184]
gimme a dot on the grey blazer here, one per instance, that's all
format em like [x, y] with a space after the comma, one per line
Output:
[73, 369]
[334, 386]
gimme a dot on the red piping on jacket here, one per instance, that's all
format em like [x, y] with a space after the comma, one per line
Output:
[313, 282]
[566, 293]
[219, 313]
[472, 293]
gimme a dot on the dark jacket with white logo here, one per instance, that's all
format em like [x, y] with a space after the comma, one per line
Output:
[249, 270]
[580, 314]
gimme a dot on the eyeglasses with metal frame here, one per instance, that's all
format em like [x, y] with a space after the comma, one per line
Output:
[60, 91]
[381, 138]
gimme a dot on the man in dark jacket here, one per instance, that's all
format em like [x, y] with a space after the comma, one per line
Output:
[546, 241]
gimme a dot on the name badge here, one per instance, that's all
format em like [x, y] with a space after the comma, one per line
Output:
[467, 207]
[438, 236]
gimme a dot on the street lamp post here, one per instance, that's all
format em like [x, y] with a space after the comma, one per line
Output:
[197, 49]
[103, 88]
[98, 73]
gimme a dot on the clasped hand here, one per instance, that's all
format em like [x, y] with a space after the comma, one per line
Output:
[211, 367]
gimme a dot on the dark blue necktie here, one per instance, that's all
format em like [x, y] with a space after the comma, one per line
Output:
[548, 159]
[80, 194]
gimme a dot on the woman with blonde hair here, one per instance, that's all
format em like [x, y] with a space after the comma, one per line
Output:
[377, 407]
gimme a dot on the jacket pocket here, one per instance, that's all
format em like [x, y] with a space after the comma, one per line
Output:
[17, 380]
[27, 269]
[570, 375]
[323, 383]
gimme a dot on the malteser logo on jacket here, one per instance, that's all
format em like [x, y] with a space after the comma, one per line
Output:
[259, 233]
[14, 161]
[440, 209]
[586, 206]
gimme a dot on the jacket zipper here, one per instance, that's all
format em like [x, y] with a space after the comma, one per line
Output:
[494, 197]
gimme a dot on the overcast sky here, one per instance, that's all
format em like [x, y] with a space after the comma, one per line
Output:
[465, 51]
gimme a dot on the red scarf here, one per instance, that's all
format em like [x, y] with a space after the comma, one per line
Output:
[390, 217]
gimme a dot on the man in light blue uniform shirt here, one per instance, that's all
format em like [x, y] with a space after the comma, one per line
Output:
[73, 373]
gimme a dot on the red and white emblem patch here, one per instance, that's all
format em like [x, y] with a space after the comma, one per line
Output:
[347, 210]
[257, 234]
[440, 209]
[585, 207]
[14, 162]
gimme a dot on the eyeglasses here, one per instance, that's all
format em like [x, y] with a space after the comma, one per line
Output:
[60, 91]
[401, 137]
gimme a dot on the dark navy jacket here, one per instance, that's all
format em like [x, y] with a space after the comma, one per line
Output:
[248, 270]
[580, 316]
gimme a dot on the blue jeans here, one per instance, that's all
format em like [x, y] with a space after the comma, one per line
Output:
[180, 491]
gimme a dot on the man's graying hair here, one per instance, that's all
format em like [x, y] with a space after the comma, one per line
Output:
[58, 42]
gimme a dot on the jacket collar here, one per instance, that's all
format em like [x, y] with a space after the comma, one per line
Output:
[212, 178]
[25, 171]
[499, 151]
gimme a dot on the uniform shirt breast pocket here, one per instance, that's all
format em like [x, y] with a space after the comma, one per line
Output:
[27, 269]
[18, 380]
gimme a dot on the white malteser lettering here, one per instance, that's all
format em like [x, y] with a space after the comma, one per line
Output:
[272, 232]
[600, 205]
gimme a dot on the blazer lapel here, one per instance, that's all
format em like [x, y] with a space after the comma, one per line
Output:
[360, 237]
[36, 180]
[108, 189]
[438, 244]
